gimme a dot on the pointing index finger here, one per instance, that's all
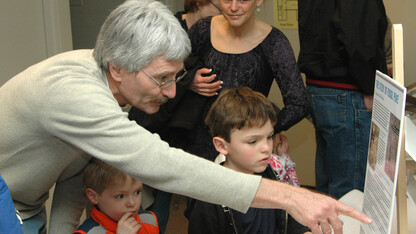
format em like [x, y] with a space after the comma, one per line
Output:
[343, 209]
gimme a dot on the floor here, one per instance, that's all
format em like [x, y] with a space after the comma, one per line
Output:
[177, 223]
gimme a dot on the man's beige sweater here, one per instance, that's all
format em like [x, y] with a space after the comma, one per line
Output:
[58, 113]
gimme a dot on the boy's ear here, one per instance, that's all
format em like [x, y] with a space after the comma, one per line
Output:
[115, 73]
[219, 144]
[91, 195]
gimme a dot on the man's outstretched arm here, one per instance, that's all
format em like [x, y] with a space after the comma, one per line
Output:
[311, 209]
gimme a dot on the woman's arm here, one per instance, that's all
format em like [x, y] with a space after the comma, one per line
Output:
[281, 59]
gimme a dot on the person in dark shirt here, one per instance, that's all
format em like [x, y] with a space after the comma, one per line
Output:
[242, 50]
[241, 122]
[177, 117]
[341, 47]
[196, 10]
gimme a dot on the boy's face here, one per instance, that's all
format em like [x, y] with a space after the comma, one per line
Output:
[250, 148]
[120, 198]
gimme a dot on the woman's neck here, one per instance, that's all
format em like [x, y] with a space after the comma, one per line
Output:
[236, 40]
[243, 31]
[190, 18]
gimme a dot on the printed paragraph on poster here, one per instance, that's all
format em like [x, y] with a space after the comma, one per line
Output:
[383, 154]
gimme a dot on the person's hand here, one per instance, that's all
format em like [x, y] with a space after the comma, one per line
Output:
[128, 224]
[202, 84]
[316, 211]
[320, 212]
[390, 70]
[368, 102]
[280, 144]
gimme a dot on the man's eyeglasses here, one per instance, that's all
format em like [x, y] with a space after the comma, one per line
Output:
[241, 1]
[166, 84]
[216, 6]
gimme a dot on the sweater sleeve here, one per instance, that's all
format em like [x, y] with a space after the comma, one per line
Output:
[67, 206]
[86, 115]
[281, 59]
[199, 34]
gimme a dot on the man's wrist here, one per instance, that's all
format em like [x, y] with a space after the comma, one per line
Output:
[272, 194]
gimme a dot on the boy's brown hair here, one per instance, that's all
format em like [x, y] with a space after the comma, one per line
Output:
[98, 175]
[237, 108]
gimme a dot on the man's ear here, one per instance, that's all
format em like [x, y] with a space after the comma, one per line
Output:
[220, 145]
[92, 195]
[116, 73]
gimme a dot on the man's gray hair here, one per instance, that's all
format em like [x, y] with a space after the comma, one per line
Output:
[138, 31]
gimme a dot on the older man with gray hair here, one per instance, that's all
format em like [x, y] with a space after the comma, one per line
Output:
[59, 113]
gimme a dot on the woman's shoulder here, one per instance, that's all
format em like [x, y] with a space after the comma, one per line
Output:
[276, 42]
[275, 35]
[202, 26]
[200, 34]
[179, 17]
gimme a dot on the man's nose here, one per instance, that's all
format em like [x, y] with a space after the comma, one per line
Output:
[170, 91]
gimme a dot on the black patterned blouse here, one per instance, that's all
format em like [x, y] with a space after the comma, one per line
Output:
[272, 58]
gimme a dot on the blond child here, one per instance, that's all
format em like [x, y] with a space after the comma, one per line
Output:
[116, 199]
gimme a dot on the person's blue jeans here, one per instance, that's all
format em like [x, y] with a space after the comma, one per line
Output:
[35, 224]
[342, 128]
[9, 223]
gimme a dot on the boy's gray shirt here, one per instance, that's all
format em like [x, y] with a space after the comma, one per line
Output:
[58, 113]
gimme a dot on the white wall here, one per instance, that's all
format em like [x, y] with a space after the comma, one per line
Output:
[30, 32]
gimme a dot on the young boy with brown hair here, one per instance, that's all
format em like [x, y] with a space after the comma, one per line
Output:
[241, 123]
[116, 198]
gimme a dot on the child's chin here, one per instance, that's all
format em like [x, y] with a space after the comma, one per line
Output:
[260, 169]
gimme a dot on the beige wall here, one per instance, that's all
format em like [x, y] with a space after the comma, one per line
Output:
[402, 12]
[30, 32]
[23, 36]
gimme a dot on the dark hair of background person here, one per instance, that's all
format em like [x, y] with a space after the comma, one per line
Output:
[192, 5]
